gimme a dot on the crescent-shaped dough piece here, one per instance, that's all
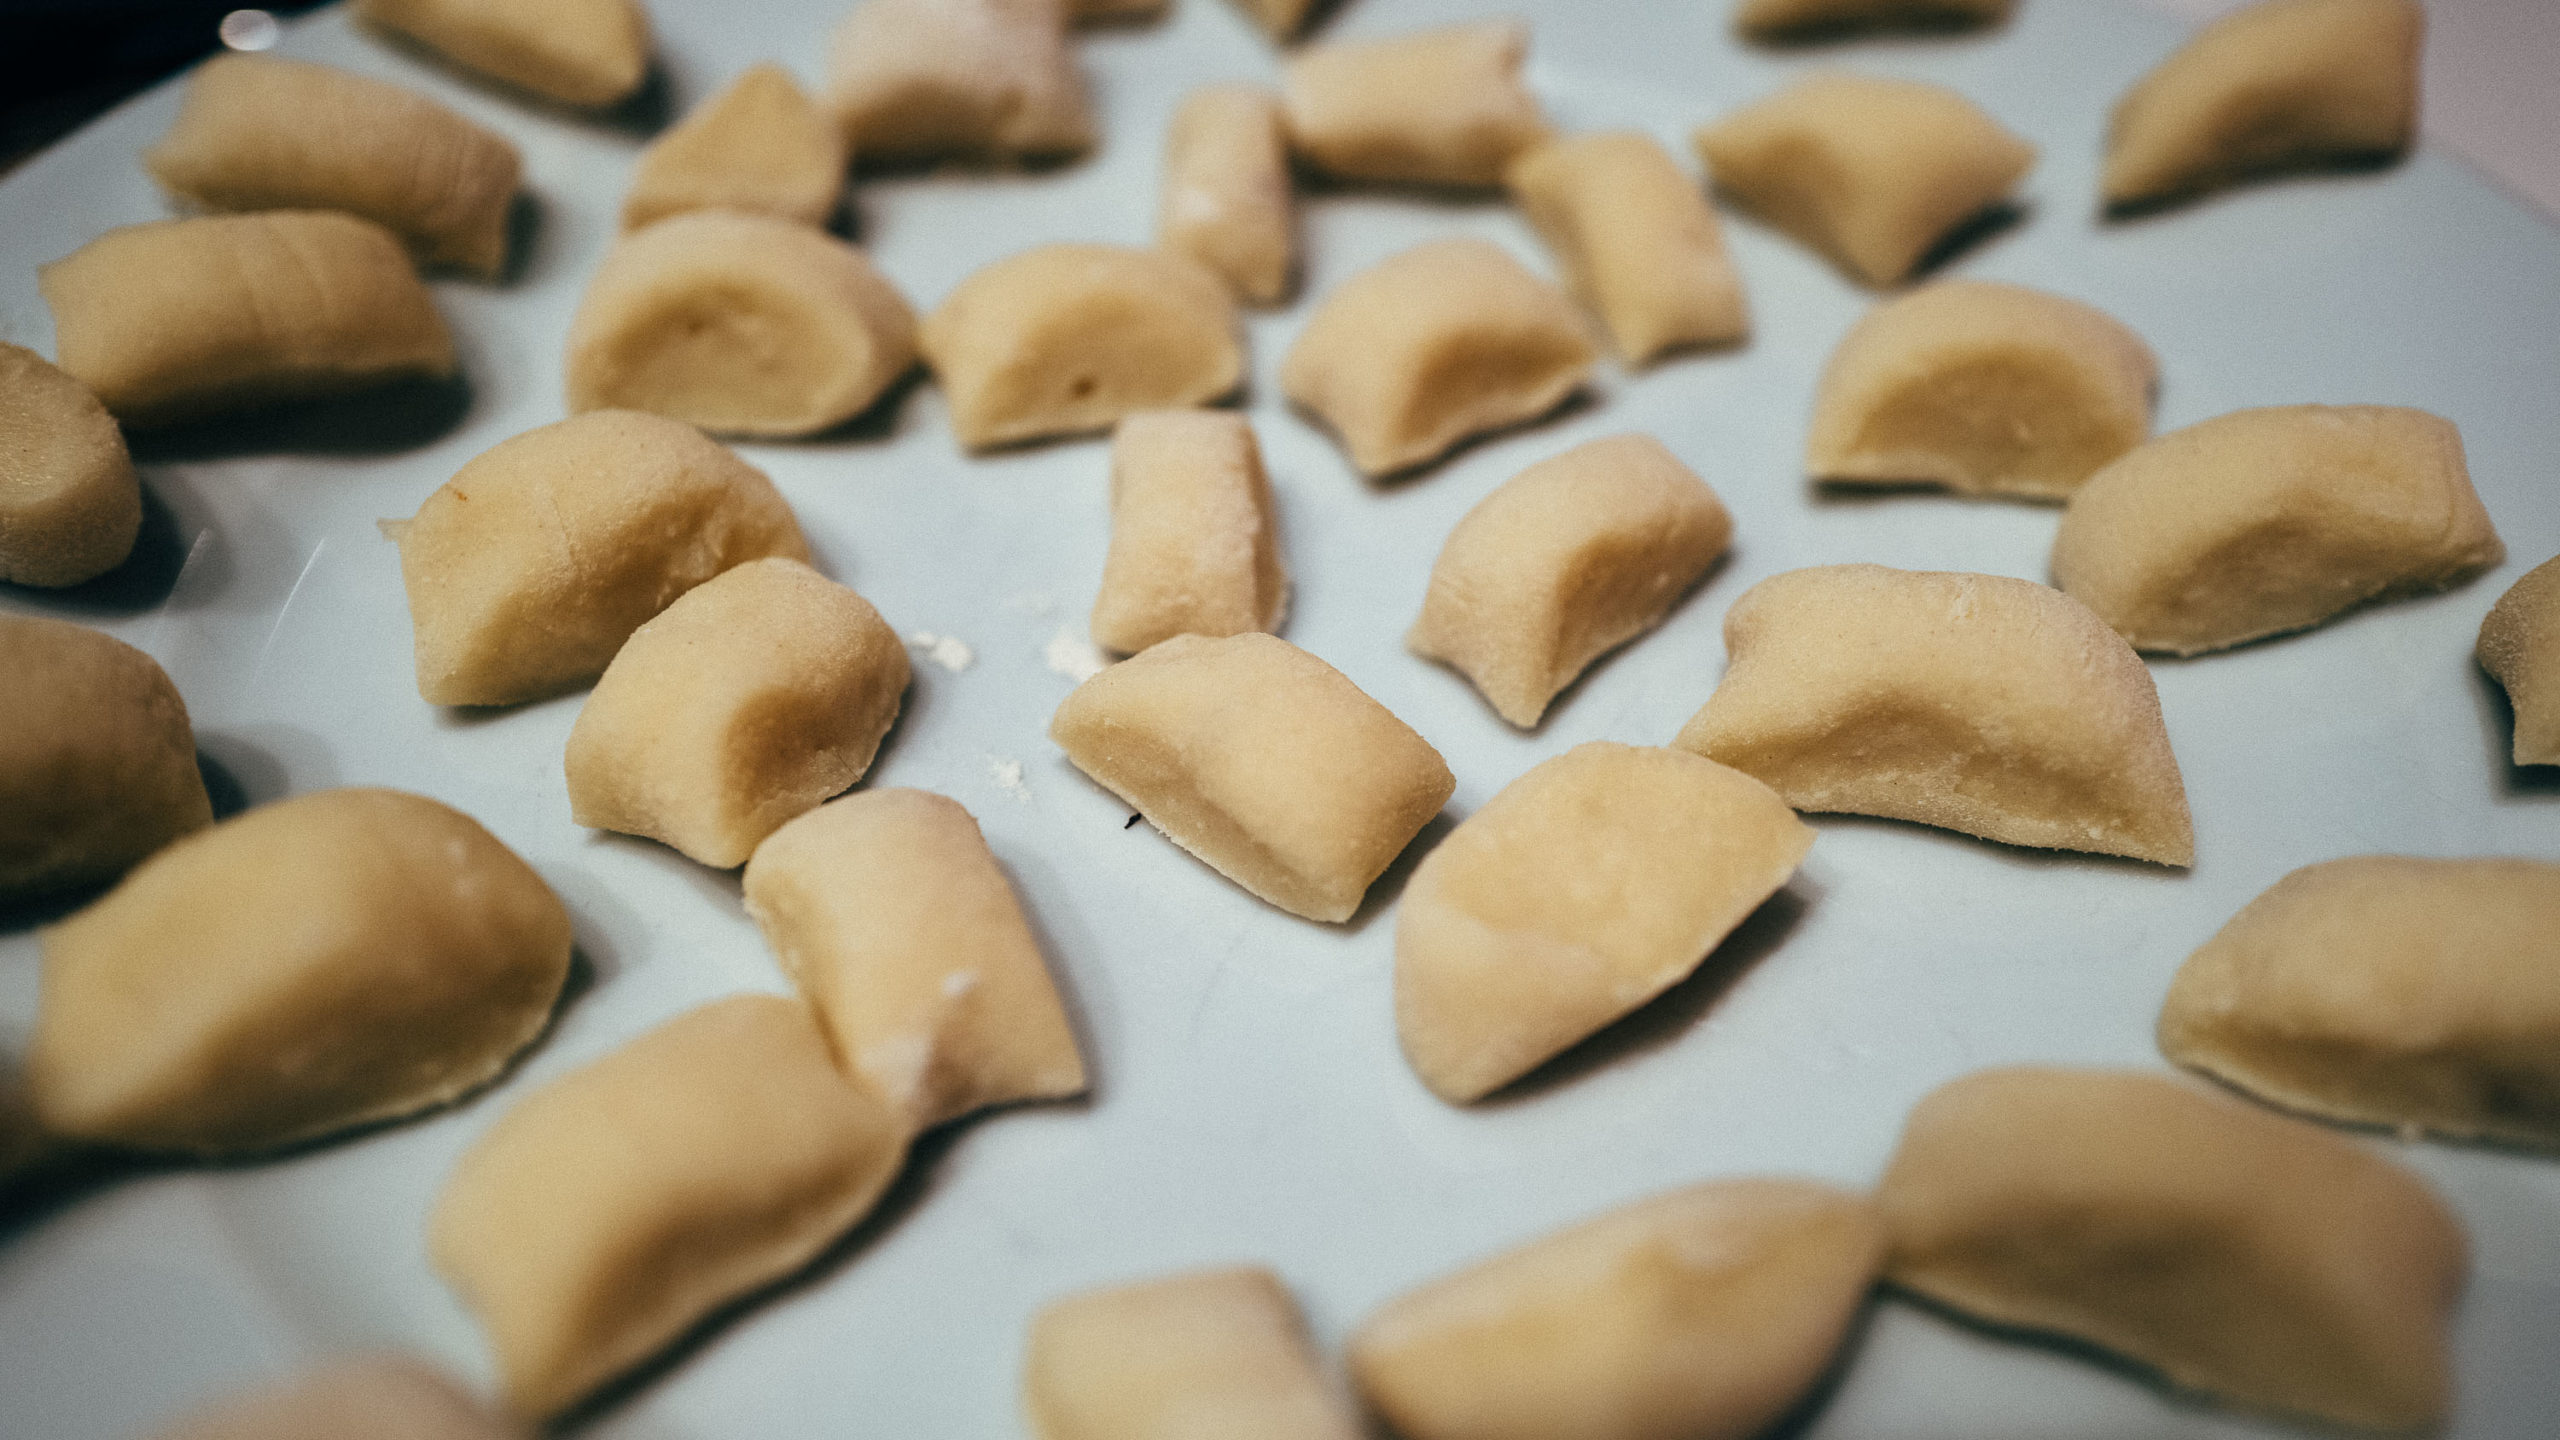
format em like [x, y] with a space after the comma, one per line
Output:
[2280, 85]
[1983, 388]
[1436, 107]
[2520, 646]
[97, 760]
[178, 319]
[1228, 202]
[2238, 1253]
[1193, 544]
[623, 1203]
[2387, 990]
[70, 504]
[383, 1397]
[1584, 889]
[1449, 339]
[1976, 703]
[742, 324]
[528, 569]
[1219, 1353]
[986, 80]
[589, 54]
[760, 145]
[2263, 521]
[1869, 171]
[1263, 761]
[1637, 240]
[1789, 20]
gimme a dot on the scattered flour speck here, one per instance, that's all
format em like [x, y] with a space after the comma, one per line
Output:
[948, 651]
[959, 983]
[1008, 776]
[1073, 656]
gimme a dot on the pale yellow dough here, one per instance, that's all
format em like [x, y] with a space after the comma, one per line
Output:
[2263, 521]
[1871, 172]
[1263, 761]
[333, 960]
[1792, 19]
[2520, 646]
[1193, 545]
[760, 145]
[1701, 1314]
[2241, 1254]
[913, 80]
[1567, 560]
[623, 1203]
[1218, 1353]
[1636, 239]
[70, 504]
[385, 1397]
[1227, 201]
[1436, 107]
[589, 54]
[97, 761]
[1585, 888]
[178, 319]
[1418, 352]
[1976, 703]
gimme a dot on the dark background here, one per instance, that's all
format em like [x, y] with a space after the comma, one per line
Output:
[65, 61]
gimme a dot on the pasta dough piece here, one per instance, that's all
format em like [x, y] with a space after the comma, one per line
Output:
[1566, 561]
[385, 1397]
[2280, 85]
[1436, 107]
[333, 960]
[1280, 19]
[1192, 545]
[1263, 761]
[621, 1204]
[1975, 703]
[1983, 388]
[1212, 1353]
[1423, 349]
[1068, 339]
[2387, 990]
[2237, 1253]
[1871, 172]
[1782, 20]
[761, 145]
[1228, 203]
[70, 504]
[2520, 646]
[1701, 1314]
[742, 324]
[260, 132]
[749, 701]
[97, 761]
[179, 319]
[529, 568]
[2263, 521]
[1637, 240]
[588, 54]
[1583, 890]
[914, 80]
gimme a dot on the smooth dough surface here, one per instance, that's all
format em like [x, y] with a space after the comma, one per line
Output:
[1228, 201]
[1581, 891]
[1793, 19]
[1976, 703]
[914, 80]
[1194, 550]
[97, 760]
[384, 1397]
[1636, 239]
[1219, 1353]
[70, 504]
[2263, 521]
[1263, 761]
[584, 53]
[2237, 1253]
[1444, 106]
[2520, 646]
[759, 145]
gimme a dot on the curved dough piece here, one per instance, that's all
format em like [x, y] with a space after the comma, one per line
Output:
[1976, 703]
[178, 319]
[2520, 646]
[1425, 348]
[584, 53]
[2263, 521]
[1068, 339]
[1212, 1353]
[2280, 85]
[2387, 990]
[1228, 202]
[70, 504]
[913, 80]
[1983, 388]
[1193, 548]
[1566, 561]
[761, 145]
[385, 1397]
[1436, 107]
[529, 568]
[623, 1203]
[1871, 172]
[1583, 890]
[97, 761]
[1263, 761]
[742, 324]
[1787, 20]
[259, 132]
[333, 960]
[1638, 242]
[1700, 1314]
[2238, 1253]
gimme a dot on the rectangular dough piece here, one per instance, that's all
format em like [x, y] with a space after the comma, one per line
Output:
[1192, 545]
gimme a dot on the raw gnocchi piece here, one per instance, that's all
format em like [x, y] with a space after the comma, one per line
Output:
[589, 54]
[1193, 550]
[621, 1204]
[1636, 239]
[2387, 990]
[913, 80]
[70, 504]
[97, 761]
[1280, 19]
[1871, 172]
[1227, 199]
[259, 132]
[2237, 1253]
[750, 700]
[1213, 1352]
[1566, 561]
[333, 960]
[1423, 349]
[1976, 703]
[1583, 890]
[178, 319]
[741, 324]
[2520, 646]
[384, 1397]
[1983, 388]
[1263, 761]
[529, 568]
[1783, 20]
[1436, 107]
[761, 145]
[2281, 85]
[1700, 1314]
[1068, 339]
[2263, 521]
